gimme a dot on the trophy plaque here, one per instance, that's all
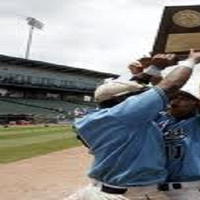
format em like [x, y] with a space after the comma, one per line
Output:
[179, 31]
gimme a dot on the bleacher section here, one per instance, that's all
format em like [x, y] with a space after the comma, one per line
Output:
[8, 107]
[37, 91]
[39, 107]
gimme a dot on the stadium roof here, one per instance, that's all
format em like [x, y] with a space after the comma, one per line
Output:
[45, 65]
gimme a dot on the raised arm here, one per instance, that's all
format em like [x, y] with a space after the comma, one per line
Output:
[179, 76]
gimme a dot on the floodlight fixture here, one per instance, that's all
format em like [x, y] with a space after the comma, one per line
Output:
[33, 23]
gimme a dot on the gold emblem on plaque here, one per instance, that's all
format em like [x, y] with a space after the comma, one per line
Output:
[187, 18]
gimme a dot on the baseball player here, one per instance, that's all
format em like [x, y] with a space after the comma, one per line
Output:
[181, 128]
[127, 144]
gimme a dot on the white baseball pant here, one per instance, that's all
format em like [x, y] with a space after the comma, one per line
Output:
[189, 191]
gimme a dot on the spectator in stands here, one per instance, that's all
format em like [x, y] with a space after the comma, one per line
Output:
[112, 133]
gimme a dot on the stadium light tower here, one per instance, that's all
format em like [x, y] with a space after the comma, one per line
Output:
[33, 23]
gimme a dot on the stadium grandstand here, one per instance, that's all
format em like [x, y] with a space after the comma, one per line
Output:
[40, 92]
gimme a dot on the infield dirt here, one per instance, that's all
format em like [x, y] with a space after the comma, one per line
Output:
[48, 177]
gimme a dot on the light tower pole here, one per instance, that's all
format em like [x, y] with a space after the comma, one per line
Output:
[33, 23]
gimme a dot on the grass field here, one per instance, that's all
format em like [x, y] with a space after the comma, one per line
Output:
[22, 142]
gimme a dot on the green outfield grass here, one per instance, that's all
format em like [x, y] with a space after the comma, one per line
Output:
[22, 142]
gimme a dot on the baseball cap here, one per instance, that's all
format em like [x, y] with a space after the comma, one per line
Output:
[113, 89]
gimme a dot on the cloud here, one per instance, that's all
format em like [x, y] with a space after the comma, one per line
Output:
[102, 35]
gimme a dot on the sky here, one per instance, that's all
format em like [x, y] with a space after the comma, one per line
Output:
[100, 35]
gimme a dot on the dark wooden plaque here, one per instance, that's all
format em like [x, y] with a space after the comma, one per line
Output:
[179, 30]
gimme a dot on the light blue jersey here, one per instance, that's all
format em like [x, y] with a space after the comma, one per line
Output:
[182, 140]
[127, 145]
